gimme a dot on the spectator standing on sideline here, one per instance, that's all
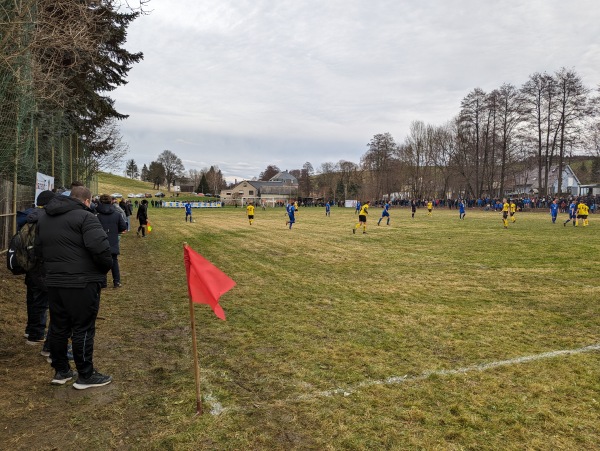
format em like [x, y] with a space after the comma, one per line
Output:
[126, 206]
[35, 281]
[113, 224]
[76, 256]
[115, 203]
[142, 216]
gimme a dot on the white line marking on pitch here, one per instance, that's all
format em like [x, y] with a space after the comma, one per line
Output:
[481, 367]
[217, 408]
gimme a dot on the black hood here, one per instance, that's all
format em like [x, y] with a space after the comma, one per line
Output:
[105, 209]
[63, 204]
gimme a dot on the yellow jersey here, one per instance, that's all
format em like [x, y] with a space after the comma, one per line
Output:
[506, 207]
[363, 210]
[430, 205]
[250, 210]
[582, 209]
[513, 207]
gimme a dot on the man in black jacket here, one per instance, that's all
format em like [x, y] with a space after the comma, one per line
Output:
[113, 224]
[76, 256]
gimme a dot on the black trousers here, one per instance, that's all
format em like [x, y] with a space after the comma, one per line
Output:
[37, 307]
[73, 313]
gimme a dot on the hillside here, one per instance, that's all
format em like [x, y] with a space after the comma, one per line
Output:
[110, 183]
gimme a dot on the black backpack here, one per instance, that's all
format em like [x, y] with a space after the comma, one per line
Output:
[20, 256]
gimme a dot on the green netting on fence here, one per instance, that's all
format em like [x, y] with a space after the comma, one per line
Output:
[34, 135]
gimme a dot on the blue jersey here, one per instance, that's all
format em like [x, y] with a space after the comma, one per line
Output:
[357, 206]
[327, 207]
[385, 211]
[461, 207]
[188, 208]
[553, 209]
[573, 210]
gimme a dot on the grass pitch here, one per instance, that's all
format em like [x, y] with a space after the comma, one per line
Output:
[387, 340]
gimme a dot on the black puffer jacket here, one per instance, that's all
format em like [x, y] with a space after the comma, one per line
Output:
[72, 244]
[112, 223]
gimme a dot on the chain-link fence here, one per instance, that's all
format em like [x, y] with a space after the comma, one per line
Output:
[33, 137]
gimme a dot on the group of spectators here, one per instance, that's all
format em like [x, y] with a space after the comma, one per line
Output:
[77, 242]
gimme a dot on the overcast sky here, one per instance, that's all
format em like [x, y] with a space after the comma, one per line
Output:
[244, 84]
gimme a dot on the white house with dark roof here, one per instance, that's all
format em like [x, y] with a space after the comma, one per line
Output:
[279, 189]
[527, 183]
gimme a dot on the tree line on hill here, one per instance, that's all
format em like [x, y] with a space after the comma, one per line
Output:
[168, 170]
[546, 123]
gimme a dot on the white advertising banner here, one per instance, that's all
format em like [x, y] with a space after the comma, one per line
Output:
[43, 182]
[178, 204]
[350, 203]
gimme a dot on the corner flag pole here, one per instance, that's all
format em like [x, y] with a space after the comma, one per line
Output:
[195, 350]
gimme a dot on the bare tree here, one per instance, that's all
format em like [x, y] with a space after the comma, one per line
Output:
[215, 180]
[443, 140]
[379, 161]
[194, 175]
[350, 178]
[414, 155]
[574, 106]
[106, 145]
[510, 116]
[327, 179]
[540, 100]
[173, 166]
[474, 124]
[304, 181]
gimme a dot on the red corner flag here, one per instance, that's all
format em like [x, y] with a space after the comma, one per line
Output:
[206, 282]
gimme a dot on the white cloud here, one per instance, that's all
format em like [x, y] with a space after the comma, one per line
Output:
[263, 82]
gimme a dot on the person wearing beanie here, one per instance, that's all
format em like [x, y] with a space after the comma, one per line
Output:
[44, 197]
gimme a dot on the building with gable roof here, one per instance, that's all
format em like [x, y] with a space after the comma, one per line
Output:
[527, 183]
[277, 190]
